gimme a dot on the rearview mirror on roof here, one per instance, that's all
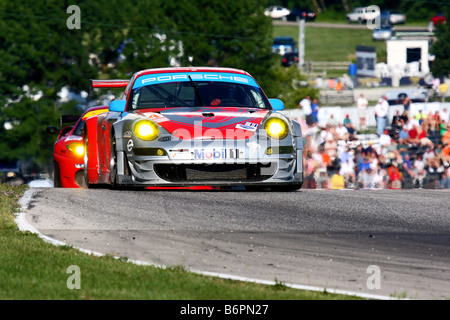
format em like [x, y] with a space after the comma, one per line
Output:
[277, 104]
[117, 105]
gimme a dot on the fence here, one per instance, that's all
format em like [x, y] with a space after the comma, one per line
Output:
[332, 97]
[322, 67]
[339, 112]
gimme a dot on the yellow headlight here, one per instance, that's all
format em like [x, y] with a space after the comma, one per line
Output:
[277, 128]
[146, 130]
[76, 148]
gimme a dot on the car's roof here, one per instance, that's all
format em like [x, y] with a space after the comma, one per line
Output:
[189, 69]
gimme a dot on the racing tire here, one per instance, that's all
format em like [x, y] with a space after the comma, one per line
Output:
[113, 164]
[86, 160]
[57, 176]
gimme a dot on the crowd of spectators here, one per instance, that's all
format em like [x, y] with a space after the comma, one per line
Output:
[413, 151]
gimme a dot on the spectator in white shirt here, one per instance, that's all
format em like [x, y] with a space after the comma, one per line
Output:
[362, 104]
[381, 113]
[342, 132]
[305, 105]
[444, 115]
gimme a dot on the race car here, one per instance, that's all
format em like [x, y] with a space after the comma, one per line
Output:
[196, 126]
[68, 152]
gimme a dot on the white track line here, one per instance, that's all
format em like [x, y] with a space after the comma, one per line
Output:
[24, 225]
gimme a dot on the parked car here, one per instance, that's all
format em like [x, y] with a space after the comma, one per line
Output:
[10, 169]
[297, 14]
[276, 12]
[394, 17]
[361, 14]
[282, 45]
[436, 20]
[384, 32]
[289, 59]
[395, 97]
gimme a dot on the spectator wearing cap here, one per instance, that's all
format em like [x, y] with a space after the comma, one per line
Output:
[347, 120]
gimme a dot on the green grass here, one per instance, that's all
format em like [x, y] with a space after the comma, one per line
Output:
[329, 44]
[33, 269]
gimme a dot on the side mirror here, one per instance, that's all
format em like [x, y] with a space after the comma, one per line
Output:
[118, 105]
[277, 104]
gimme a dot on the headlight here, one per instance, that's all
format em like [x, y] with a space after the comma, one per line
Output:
[277, 128]
[76, 148]
[146, 130]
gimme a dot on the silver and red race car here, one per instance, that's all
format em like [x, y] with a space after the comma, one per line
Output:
[178, 127]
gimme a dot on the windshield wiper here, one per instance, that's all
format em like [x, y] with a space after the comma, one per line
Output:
[197, 94]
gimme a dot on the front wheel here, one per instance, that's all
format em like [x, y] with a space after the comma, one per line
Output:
[86, 160]
[57, 176]
[113, 164]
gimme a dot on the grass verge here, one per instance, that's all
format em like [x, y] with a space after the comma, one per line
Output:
[31, 268]
[343, 42]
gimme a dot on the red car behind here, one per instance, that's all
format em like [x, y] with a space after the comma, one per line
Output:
[68, 154]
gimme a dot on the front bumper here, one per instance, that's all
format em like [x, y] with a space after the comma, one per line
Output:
[211, 163]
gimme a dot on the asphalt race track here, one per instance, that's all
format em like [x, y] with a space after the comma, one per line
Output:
[331, 239]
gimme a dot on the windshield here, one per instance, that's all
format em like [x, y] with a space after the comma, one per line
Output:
[283, 41]
[197, 94]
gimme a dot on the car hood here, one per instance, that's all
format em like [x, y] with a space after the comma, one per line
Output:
[206, 123]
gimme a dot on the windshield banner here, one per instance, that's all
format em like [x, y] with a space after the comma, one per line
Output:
[195, 76]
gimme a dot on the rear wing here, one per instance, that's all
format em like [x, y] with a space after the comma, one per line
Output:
[117, 83]
[69, 119]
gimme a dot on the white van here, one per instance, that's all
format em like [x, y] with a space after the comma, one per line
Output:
[362, 14]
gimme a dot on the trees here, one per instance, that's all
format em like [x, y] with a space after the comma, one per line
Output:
[39, 55]
[441, 50]
[37, 59]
